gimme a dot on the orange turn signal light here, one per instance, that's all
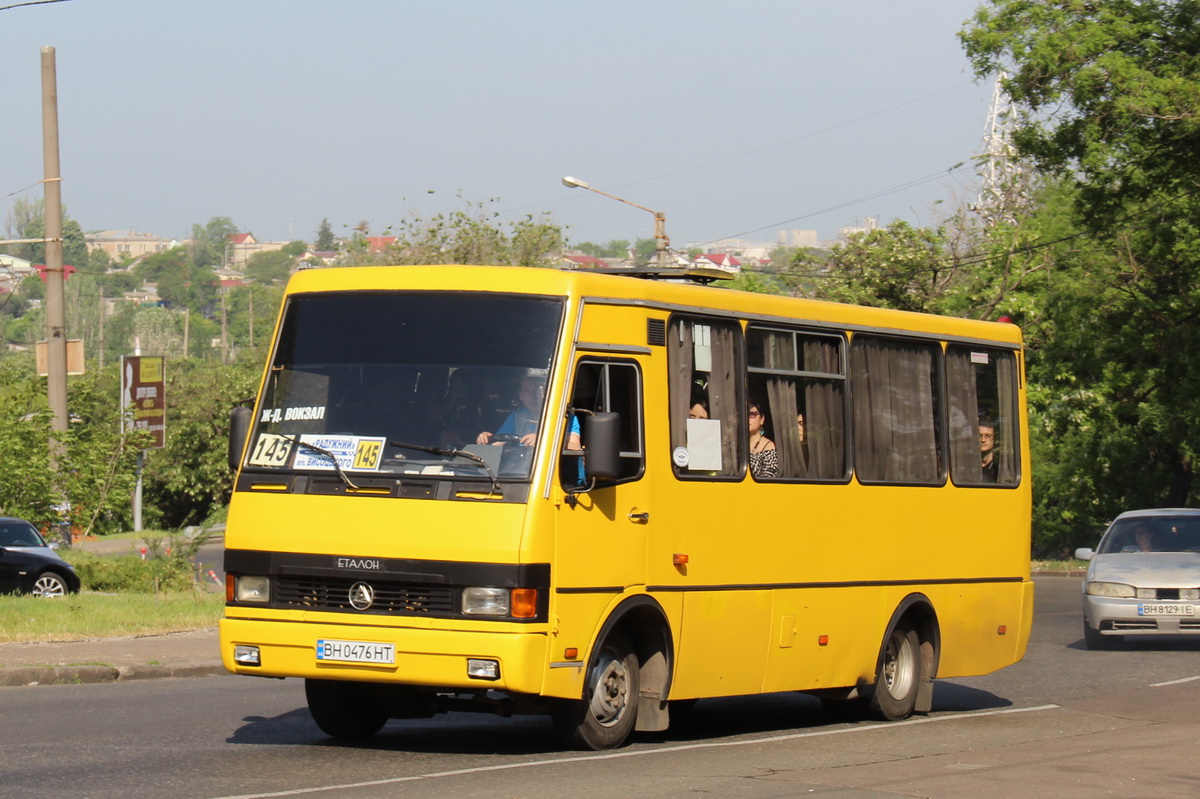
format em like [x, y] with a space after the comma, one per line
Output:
[1002, 629]
[571, 653]
[679, 559]
[524, 603]
[822, 640]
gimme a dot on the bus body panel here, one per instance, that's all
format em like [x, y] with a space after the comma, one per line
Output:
[421, 529]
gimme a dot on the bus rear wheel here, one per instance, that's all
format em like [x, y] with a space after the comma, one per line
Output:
[605, 716]
[350, 710]
[898, 676]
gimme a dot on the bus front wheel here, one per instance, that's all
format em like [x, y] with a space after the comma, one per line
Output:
[350, 710]
[606, 715]
[899, 675]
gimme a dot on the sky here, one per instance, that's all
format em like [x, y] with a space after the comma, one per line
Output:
[733, 119]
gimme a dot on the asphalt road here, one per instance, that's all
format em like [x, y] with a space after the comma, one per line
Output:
[231, 736]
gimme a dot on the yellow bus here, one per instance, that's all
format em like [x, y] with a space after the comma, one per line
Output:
[595, 495]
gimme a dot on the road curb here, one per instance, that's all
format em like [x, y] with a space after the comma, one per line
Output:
[80, 675]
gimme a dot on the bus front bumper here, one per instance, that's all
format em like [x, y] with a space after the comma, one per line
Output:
[450, 660]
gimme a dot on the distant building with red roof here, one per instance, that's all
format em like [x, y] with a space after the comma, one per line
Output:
[584, 262]
[380, 243]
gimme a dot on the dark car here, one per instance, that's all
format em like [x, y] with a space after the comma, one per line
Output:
[28, 565]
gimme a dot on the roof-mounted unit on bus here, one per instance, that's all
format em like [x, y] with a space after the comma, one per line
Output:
[697, 274]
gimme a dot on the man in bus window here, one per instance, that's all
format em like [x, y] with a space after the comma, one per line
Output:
[987, 449]
[522, 424]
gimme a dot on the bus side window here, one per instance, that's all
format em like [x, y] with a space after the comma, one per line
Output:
[707, 407]
[606, 386]
[801, 376]
[982, 393]
[895, 395]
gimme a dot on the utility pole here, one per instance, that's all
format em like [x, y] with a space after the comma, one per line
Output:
[100, 353]
[224, 330]
[56, 323]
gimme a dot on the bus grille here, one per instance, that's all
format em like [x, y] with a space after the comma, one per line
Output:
[334, 595]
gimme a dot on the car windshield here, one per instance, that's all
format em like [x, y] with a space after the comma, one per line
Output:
[405, 383]
[17, 533]
[1152, 534]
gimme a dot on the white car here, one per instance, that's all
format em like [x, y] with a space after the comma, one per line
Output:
[1143, 578]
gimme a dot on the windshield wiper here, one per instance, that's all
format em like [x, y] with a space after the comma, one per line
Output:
[455, 453]
[322, 451]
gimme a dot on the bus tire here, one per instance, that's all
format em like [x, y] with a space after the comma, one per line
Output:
[348, 710]
[607, 713]
[899, 675]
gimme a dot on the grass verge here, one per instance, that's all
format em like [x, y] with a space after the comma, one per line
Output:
[92, 615]
[1068, 565]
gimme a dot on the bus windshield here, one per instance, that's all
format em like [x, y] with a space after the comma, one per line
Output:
[407, 383]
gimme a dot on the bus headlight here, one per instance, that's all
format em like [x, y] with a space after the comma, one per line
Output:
[481, 601]
[253, 588]
[1110, 589]
[519, 603]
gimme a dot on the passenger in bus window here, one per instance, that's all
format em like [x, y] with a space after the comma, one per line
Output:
[987, 449]
[764, 460]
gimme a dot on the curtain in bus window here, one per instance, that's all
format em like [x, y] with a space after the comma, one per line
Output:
[680, 382]
[895, 435]
[781, 395]
[964, 417]
[1006, 435]
[824, 428]
[723, 394]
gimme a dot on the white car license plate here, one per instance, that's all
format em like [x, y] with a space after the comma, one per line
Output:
[329, 649]
[1161, 609]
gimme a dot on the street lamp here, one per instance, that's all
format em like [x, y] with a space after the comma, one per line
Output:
[661, 242]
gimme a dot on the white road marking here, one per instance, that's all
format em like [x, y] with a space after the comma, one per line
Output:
[637, 753]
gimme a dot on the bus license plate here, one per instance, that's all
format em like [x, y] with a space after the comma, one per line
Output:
[1165, 610]
[356, 651]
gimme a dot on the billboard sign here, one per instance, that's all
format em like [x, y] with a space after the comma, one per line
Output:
[143, 396]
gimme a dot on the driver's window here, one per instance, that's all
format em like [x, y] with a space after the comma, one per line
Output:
[605, 386]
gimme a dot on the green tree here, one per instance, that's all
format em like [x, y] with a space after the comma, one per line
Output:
[325, 241]
[26, 489]
[97, 470]
[1111, 92]
[898, 266]
[181, 282]
[98, 261]
[209, 242]
[614, 248]
[269, 267]
[239, 301]
[644, 251]
[74, 245]
[473, 234]
[17, 222]
[117, 283]
[189, 477]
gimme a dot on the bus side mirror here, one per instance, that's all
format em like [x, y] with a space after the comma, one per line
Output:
[602, 444]
[239, 428]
